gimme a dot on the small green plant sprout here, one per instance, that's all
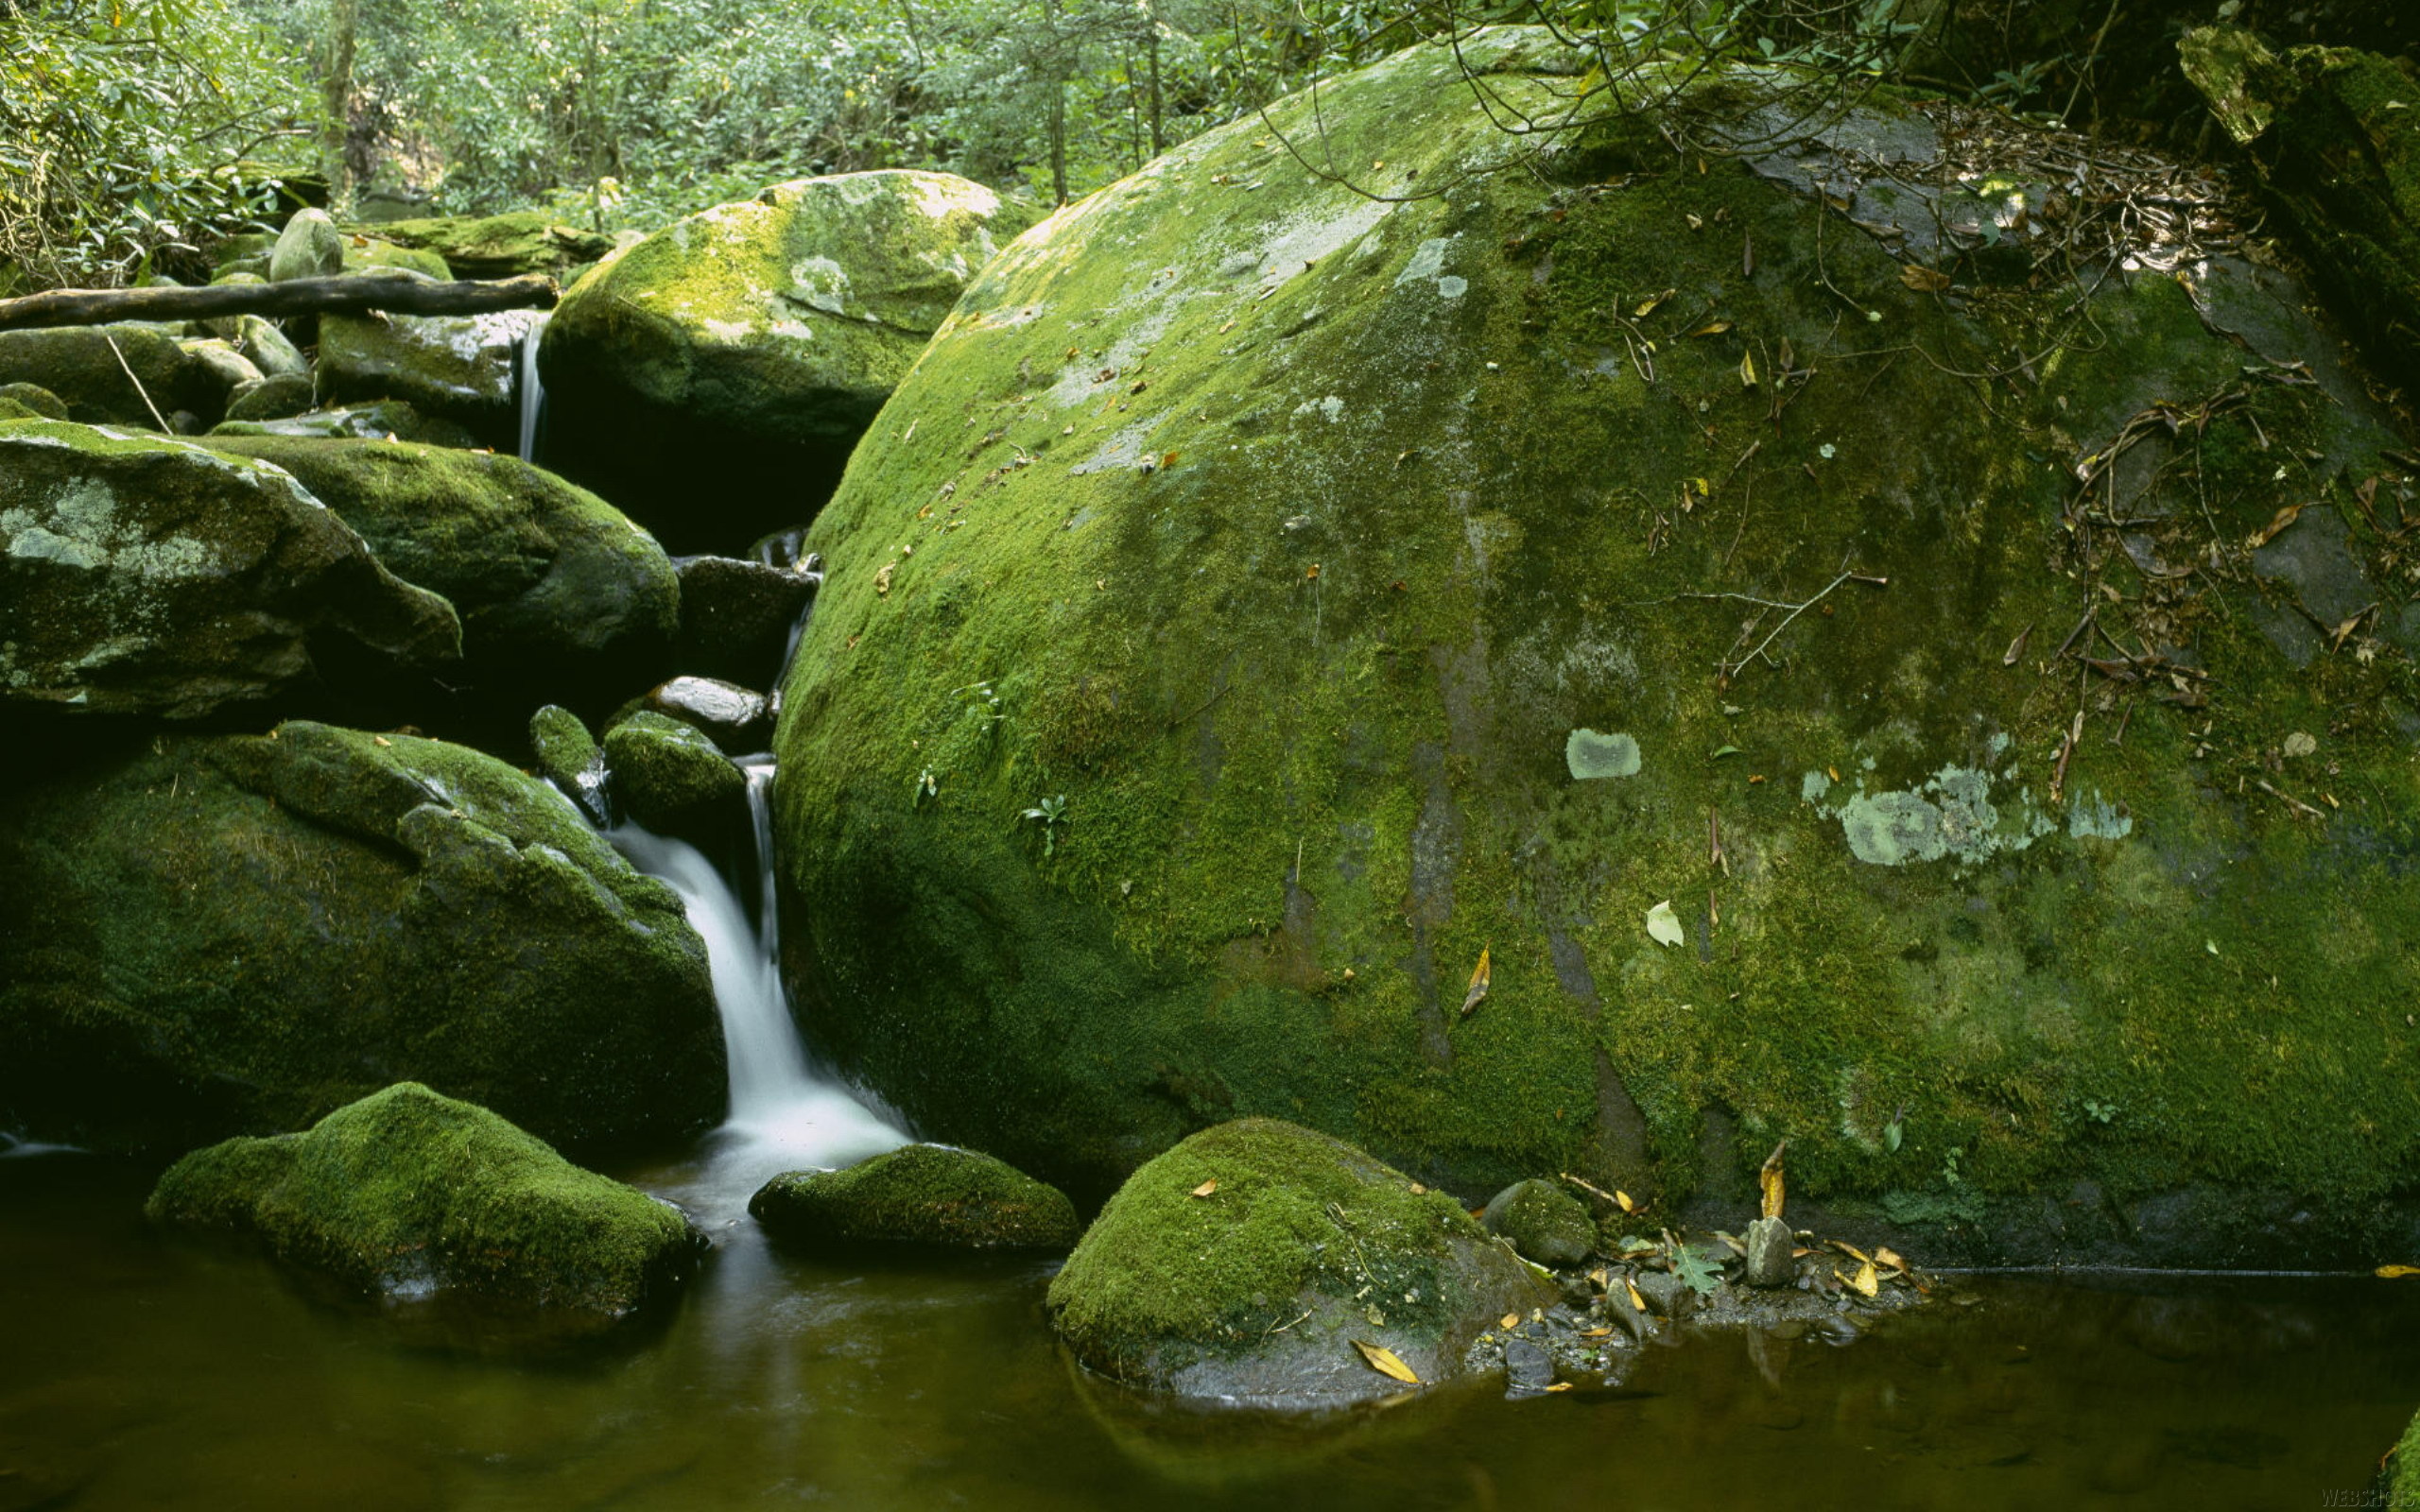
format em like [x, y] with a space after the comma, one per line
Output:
[1052, 811]
[926, 786]
[1897, 1130]
[2099, 1111]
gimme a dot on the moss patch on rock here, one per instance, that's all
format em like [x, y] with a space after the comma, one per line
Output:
[928, 1195]
[465, 368]
[76, 364]
[223, 935]
[1186, 1277]
[1543, 1221]
[1366, 506]
[521, 241]
[408, 1192]
[671, 776]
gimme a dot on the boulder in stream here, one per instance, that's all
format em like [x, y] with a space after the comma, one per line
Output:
[1811, 738]
[465, 368]
[1252, 1263]
[1542, 1221]
[670, 777]
[709, 376]
[933, 1196]
[309, 247]
[205, 935]
[408, 1192]
[737, 616]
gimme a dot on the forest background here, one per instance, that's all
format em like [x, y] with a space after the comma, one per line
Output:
[133, 134]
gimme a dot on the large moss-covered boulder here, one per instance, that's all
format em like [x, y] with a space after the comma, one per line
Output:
[309, 247]
[712, 378]
[76, 363]
[148, 575]
[558, 591]
[464, 367]
[1364, 683]
[2331, 134]
[521, 241]
[1249, 1262]
[408, 1192]
[211, 936]
[931, 1196]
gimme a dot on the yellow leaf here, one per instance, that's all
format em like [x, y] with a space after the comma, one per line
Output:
[1635, 1300]
[1747, 371]
[1850, 1250]
[1596, 1333]
[1509, 1321]
[1867, 1283]
[1647, 307]
[1923, 280]
[1560, 1385]
[1385, 1362]
[2397, 1272]
[1480, 975]
[1206, 1188]
[1769, 1181]
[1712, 328]
[1703, 490]
[1623, 1197]
[1885, 1255]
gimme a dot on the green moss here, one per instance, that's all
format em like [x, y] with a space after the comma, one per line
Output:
[670, 775]
[372, 255]
[377, 422]
[309, 247]
[1300, 804]
[1164, 1277]
[35, 401]
[408, 1192]
[1543, 1221]
[2402, 1476]
[920, 1194]
[76, 365]
[523, 240]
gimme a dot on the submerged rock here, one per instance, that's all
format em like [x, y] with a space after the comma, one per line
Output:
[211, 936]
[671, 776]
[930, 1195]
[148, 575]
[464, 367]
[1296, 532]
[737, 616]
[1542, 1221]
[408, 1192]
[1248, 1263]
[560, 593]
[707, 377]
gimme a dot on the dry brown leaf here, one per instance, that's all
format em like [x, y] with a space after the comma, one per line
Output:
[1922, 278]
[2397, 1272]
[1386, 1362]
[1885, 1255]
[1769, 1181]
[1479, 978]
[2017, 647]
[1206, 1188]
[2277, 523]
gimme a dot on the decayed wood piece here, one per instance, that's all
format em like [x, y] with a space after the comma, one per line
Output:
[343, 295]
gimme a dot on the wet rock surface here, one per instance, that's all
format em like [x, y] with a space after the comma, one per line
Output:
[736, 720]
[737, 616]
[931, 1196]
[670, 777]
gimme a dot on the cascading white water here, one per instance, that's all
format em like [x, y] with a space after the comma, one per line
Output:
[532, 392]
[785, 1116]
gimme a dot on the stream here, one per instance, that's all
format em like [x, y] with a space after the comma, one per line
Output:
[142, 1369]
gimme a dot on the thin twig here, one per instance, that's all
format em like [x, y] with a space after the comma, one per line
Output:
[145, 393]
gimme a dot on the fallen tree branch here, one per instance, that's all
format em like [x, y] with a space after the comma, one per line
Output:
[396, 294]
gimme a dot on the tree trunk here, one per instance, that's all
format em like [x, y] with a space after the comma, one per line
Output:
[336, 99]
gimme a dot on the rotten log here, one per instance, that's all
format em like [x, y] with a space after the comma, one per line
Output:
[396, 294]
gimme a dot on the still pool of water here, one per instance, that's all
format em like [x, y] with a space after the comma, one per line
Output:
[138, 1371]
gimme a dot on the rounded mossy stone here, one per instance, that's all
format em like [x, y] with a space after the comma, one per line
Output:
[77, 365]
[1299, 634]
[1543, 1221]
[932, 1194]
[260, 340]
[309, 247]
[38, 402]
[712, 377]
[142, 575]
[408, 1192]
[283, 397]
[370, 253]
[205, 935]
[465, 367]
[569, 757]
[487, 247]
[1247, 1261]
[558, 591]
[671, 776]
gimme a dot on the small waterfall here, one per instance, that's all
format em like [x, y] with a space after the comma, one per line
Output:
[532, 390]
[784, 1116]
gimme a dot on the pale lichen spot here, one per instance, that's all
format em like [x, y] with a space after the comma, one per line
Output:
[1589, 754]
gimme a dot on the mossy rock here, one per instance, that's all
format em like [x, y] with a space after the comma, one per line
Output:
[709, 376]
[371, 254]
[1542, 1221]
[465, 368]
[1245, 1264]
[148, 576]
[309, 247]
[266, 346]
[1370, 504]
[569, 757]
[222, 935]
[505, 246]
[385, 419]
[38, 402]
[220, 370]
[922, 1194]
[408, 1192]
[283, 397]
[77, 364]
[558, 593]
[2330, 132]
[670, 777]
[2401, 1476]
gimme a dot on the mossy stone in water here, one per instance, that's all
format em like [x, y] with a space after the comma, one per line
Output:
[932, 1194]
[408, 1192]
[383, 420]
[1245, 1263]
[521, 241]
[1300, 617]
[211, 936]
[669, 776]
[1543, 1221]
[709, 376]
[569, 757]
[560, 593]
[142, 575]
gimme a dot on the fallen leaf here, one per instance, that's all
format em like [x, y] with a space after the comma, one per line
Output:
[1560, 1385]
[1206, 1188]
[1596, 1333]
[1850, 1250]
[1865, 1282]
[2277, 523]
[1635, 1300]
[2397, 1272]
[382, 739]
[1647, 306]
[2301, 743]
[1168, 462]
[1747, 371]
[1769, 1181]
[1664, 926]
[1623, 1198]
[2017, 647]
[1923, 280]
[1885, 1255]
[1417, 1190]
[882, 580]
[1479, 977]
[1384, 1361]
[1712, 328]
[1509, 1321]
